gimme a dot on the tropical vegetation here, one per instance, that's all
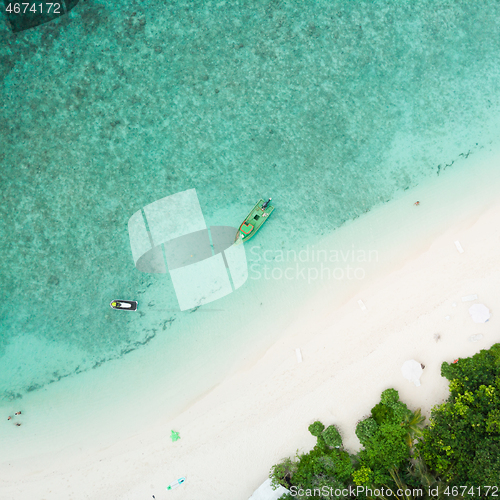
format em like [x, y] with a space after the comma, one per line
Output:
[456, 456]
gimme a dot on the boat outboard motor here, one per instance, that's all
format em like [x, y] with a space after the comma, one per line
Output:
[266, 203]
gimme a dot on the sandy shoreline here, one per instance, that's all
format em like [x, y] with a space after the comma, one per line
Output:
[343, 375]
[233, 435]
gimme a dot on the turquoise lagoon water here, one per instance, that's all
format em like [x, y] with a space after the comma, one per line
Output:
[331, 108]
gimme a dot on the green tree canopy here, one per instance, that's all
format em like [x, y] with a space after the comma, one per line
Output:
[332, 437]
[316, 428]
[461, 447]
[464, 433]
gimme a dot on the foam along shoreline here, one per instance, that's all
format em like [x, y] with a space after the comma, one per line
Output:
[259, 414]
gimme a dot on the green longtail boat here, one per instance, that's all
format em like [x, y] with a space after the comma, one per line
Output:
[254, 220]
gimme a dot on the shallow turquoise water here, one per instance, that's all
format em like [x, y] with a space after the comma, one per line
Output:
[329, 107]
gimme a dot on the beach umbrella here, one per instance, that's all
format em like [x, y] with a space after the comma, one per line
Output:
[412, 371]
[479, 313]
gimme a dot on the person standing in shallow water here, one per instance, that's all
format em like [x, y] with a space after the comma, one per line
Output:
[17, 413]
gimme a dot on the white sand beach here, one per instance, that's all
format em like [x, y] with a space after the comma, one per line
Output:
[259, 414]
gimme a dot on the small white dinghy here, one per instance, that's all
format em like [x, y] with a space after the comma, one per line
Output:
[173, 485]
